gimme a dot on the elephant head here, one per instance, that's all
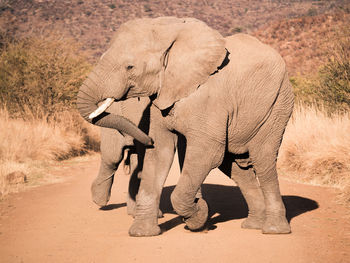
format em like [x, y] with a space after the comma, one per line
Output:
[166, 58]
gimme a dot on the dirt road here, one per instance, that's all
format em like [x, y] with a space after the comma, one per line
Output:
[59, 223]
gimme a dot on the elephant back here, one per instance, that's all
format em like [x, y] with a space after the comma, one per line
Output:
[258, 72]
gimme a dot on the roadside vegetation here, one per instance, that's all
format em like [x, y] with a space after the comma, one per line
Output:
[39, 80]
[316, 149]
[316, 146]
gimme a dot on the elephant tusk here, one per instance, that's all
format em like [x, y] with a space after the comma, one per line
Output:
[104, 106]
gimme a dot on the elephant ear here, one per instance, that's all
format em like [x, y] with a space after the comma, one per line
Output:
[192, 53]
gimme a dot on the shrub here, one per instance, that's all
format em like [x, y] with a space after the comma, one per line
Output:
[331, 87]
[335, 76]
[39, 80]
[41, 76]
[305, 90]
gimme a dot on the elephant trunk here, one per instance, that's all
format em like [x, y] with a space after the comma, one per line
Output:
[87, 101]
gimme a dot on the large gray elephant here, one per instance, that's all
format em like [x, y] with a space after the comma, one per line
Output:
[229, 97]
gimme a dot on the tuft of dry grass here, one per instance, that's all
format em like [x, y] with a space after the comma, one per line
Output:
[36, 139]
[28, 143]
[316, 149]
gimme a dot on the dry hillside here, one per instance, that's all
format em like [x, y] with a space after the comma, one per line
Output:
[306, 42]
[92, 22]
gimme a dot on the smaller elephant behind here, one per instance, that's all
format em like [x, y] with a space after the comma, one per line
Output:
[114, 146]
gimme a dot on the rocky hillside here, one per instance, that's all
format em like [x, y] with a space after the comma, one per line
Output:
[289, 25]
[306, 43]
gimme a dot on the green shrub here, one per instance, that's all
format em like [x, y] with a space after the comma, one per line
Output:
[40, 76]
[305, 90]
[335, 77]
[331, 87]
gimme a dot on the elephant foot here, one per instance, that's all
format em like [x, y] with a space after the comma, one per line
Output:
[144, 228]
[131, 212]
[101, 192]
[199, 218]
[276, 225]
[253, 222]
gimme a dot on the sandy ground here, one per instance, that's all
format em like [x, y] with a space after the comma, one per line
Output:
[59, 223]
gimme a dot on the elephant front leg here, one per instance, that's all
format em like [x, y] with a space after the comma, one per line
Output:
[111, 155]
[156, 166]
[102, 185]
[200, 158]
[181, 152]
[134, 185]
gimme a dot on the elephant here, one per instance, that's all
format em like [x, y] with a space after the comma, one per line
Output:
[113, 147]
[230, 99]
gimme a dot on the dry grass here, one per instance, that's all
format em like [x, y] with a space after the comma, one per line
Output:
[39, 79]
[316, 149]
[35, 140]
[27, 144]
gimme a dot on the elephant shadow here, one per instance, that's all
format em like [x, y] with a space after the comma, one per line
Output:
[227, 203]
[112, 206]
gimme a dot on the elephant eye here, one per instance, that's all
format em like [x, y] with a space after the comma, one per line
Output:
[129, 67]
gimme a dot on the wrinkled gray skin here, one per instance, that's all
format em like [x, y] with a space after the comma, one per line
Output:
[230, 98]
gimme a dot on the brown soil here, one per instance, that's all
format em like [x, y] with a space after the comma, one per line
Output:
[59, 223]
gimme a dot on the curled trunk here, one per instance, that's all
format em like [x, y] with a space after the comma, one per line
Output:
[87, 102]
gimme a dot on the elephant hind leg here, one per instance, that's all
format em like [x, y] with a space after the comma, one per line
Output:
[112, 144]
[275, 212]
[251, 191]
[263, 151]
